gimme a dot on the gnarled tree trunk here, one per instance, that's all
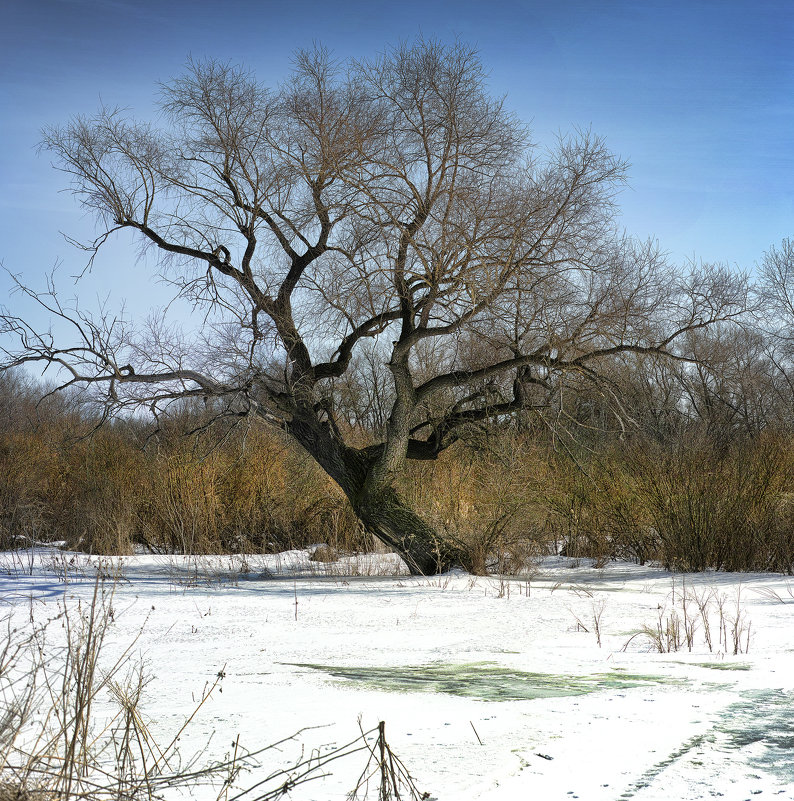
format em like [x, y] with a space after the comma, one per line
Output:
[388, 518]
[377, 505]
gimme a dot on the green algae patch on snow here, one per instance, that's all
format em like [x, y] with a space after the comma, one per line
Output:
[484, 681]
[760, 727]
[626, 681]
[721, 665]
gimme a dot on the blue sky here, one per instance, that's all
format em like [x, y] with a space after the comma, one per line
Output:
[697, 96]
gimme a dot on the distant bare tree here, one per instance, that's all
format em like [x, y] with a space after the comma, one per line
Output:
[776, 291]
[730, 386]
[391, 202]
[777, 287]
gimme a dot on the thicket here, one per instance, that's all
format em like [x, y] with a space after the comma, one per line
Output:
[110, 489]
[686, 498]
[688, 504]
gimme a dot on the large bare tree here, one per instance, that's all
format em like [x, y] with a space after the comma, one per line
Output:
[391, 207]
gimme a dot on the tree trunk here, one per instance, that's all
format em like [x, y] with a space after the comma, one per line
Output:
[386, 516]
[381, 510]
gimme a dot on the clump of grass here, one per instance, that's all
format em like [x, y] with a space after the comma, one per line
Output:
[53, 743]
[689, 612]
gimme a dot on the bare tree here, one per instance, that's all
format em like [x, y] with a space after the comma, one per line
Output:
[392, 202]
[777, 288]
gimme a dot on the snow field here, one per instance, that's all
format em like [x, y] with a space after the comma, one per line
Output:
[490, 688]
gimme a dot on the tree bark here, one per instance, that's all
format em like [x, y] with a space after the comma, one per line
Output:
[380, 508]
[386, 516]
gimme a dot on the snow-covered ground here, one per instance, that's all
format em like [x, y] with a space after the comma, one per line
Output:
[542, 687]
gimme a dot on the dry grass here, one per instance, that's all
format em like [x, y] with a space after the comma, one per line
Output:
[693, 619]
[54, 745]
[689, 502]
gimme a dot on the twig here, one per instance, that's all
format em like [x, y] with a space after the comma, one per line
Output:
[475, 733]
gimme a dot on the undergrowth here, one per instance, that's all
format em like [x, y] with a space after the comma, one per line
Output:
[688, 501]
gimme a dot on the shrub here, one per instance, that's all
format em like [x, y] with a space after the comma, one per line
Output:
[713, 508]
